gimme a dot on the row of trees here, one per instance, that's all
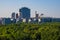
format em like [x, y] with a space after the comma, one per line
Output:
[28, 31]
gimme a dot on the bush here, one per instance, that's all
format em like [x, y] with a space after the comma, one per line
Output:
[28, 31]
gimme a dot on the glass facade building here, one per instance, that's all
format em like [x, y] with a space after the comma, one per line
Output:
[24, 12]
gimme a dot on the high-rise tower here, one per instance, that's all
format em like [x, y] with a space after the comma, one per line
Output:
[24, 12]
[13, 15]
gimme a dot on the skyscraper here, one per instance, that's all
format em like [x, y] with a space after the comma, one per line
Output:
[24, 12]
[13, 15]
[16, 15]
[37, 15]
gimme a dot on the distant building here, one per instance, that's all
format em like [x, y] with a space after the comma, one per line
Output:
[32, 20]
[6, 21]
[29, 20]
[37, 16]
[49, 19]
[24, 20]
[0, 20]
[56, 20]
[17, 16]
[13, 20]
[46, 19]
[24, 12]
[13, 15]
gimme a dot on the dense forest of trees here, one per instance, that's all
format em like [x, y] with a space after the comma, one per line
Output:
[28, 31]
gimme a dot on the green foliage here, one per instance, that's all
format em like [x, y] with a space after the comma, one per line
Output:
[29, 31]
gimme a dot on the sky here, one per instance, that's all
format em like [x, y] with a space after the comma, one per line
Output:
[50, 8]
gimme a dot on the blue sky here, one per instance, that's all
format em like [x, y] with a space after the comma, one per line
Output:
[50, 8]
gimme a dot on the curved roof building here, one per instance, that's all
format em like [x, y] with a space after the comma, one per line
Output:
[24, 12]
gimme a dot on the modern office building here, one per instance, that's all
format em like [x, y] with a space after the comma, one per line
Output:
[6, 21]
[49, 19]
[56, 20]
[13, 15]
[17, 16]
[0, 21]
[13, 20]
[24, 12]
[36, 16]
[46, 19]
